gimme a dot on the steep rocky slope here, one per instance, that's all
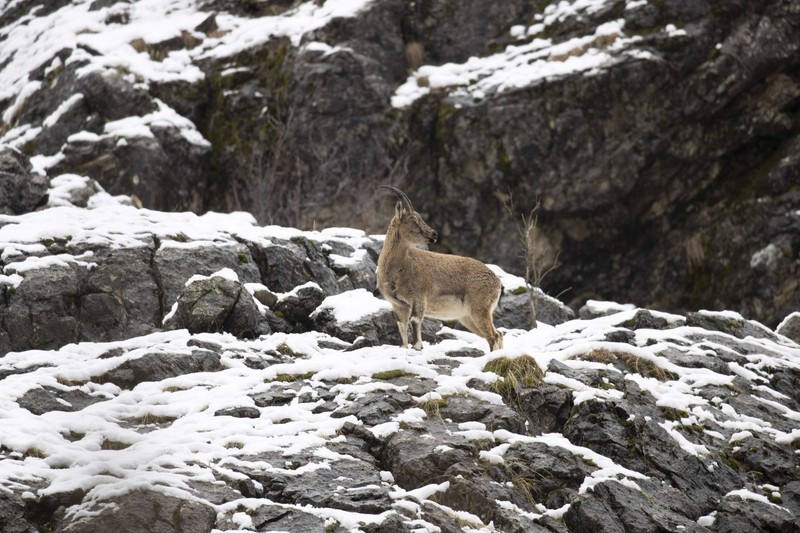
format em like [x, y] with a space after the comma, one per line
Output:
[625, 420]
[173, 372]
[660, 135]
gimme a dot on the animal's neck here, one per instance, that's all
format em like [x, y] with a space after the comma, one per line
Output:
[393, 245]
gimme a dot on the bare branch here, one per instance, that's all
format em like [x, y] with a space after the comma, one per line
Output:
[534, 252]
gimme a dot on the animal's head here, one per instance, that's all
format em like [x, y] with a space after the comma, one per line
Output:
[409, 224]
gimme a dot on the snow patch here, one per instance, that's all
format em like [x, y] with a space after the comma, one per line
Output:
[352, 306]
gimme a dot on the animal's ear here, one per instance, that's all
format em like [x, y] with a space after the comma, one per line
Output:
[399, 209]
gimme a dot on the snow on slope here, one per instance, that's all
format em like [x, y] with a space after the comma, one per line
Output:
[32, 42]
[121, 443]
[538, 58]
[115, 37]
[114, 222]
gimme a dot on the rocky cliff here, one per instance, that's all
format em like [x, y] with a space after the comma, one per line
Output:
[171, 372]
[661, 136]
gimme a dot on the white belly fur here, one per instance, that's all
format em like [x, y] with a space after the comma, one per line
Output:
[447, 308]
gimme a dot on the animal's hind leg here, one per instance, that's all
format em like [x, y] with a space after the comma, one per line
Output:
[484, 327]
[470, 325]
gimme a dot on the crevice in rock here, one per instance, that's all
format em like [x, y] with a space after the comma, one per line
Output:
[276, 518]
[161, 295]
[232, 310]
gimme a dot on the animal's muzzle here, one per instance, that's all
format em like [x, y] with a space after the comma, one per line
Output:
[433, 238]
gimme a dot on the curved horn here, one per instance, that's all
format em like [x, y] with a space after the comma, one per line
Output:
[400, 194]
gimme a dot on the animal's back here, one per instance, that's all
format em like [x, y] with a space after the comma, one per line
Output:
[460, 272]
[453, 295]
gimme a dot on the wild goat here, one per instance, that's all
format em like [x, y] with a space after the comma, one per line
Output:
[421, 283]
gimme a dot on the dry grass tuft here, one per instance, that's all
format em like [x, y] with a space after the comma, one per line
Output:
[517, 373]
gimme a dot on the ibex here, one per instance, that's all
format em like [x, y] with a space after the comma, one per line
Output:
[421, 283]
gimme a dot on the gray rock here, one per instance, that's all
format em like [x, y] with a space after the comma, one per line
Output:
[350, 484]
[445, 522]
[790, 327]
[13, 517]
[20, 189]
[351, 274]
[173, 263]
[546, 407]
[593, 514]
[547, 469]
[790, 494]
[112, 309]
[514, 310]
[158, 366]
[115, 298]
[278, 518]
[471, 490]
[644, 319]
[239, 412]
[217, 304]
[275, 397]
[328, 135]
[297, 306]
[301, 137]
[372, 330]
[630, 430]
[732, 325]
[746, 515]
[144, 510]
[392, 524]
[469, 409]
[265, 296]
[633, 509]
[46, 399]
[40, 312]
[376, 408]
[414, 460]
[787, 382]
[285, 265]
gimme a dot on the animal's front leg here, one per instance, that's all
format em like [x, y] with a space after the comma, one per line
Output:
[416, 328]
[401, 314]
[417, 314]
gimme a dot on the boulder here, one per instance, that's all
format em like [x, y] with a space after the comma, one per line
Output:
[20, 189]
[372, 329]
[13, 517]
[216, 304]
[40, 312]
[730, 323]
[143, 510]
[415, 461]
[267, 517]
[790, 327]
[159, 366]
[298, 305]
[514, 310]
[177, 259]
[45, 399]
